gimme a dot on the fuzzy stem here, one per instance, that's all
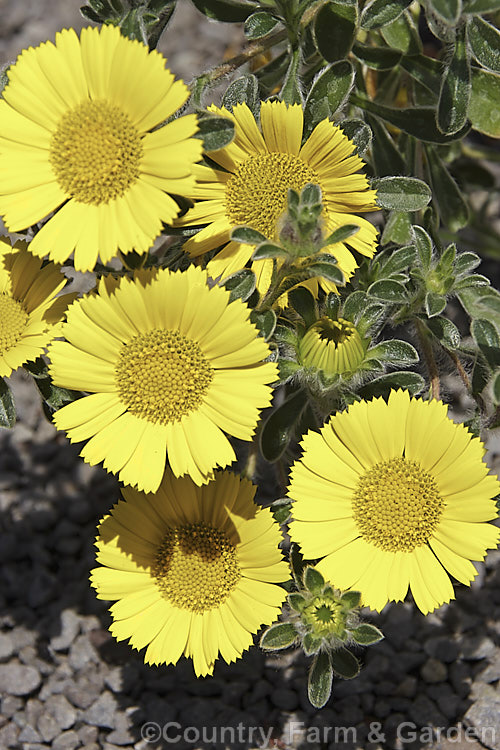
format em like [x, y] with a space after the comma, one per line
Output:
[254, 49]
[426, 345]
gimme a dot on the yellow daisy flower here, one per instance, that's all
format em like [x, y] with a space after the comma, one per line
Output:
[394, 495]
[258, 168]
[332, 346]
[193, 570]
[75, 138]
[29, 311]
[172, 365]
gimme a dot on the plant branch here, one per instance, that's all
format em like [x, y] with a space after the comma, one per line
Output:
[426, 346]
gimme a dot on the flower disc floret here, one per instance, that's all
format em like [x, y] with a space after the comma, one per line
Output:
[256, 194]
[95, 152]
[397, 506]
[13, 319]
[162, 376]
[196, 567]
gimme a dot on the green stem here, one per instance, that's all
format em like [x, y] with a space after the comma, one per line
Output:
[256, 48]
[426, 345]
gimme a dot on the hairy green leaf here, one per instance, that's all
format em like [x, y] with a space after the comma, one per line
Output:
[485, 90]
[447, 10]
[7, 406]
[244, 90]
[328, 93]
[358, 132]
[378, 58]
[215, 132]
[334, 30]
[241, 284]
[456, 87]
[451, 204]
[229, 11]
[434, 304]
[445, 331]
[382, 385]
[484, 40]
[366, 634]
[279, 427]
[402, 193]
[319, 685]
[379, 13]
[345, 664]
[279, 636]
[402, 34]
[395, 352]
[259, 24]
[417, 121]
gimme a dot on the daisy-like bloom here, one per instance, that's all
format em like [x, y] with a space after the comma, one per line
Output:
[75, 138]
[171, 365]
[193, 570]
[394, 495]
[29, 311]
[259, 167]
[332, 346]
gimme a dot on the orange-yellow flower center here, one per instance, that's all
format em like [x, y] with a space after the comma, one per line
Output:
[162, 375]
[95, 152]
[333, 346]
[13, 319]
[196, 567]
[256, 194]
[397, 505]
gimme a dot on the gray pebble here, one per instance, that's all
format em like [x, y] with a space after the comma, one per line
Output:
[284, 698]
[478, 647]
[48, 727]
[433, 671]
[442, 648]
[84, 691]
[17, 679]
[28, 734]
[122, 736]
[6, 647]
[492, 672]
[407, 688]
[42, 589]
[82, 653]
[9, 736]
[424, 713]
[61, 709]
[460, 678]
[382, 708]
[87, 734]
[66, 741]
[102, 712]
[484, 715]
[10, 705]
[70, 628]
